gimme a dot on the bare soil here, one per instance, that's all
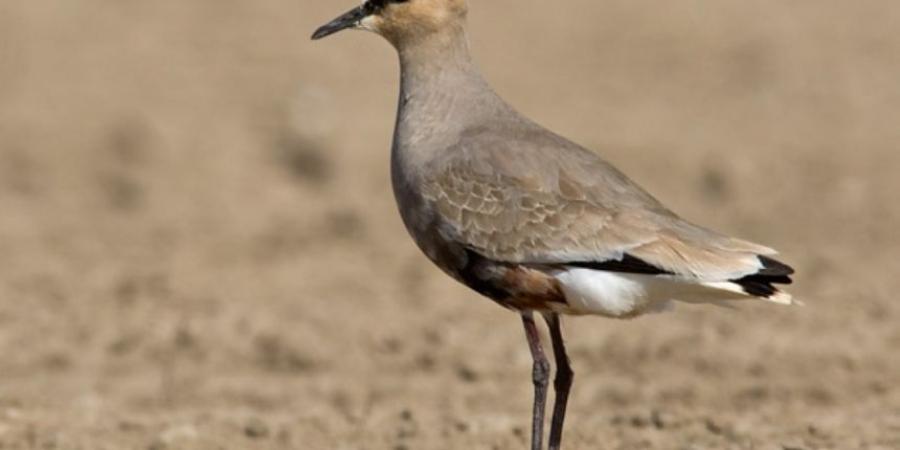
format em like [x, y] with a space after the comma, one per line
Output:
[199, 248]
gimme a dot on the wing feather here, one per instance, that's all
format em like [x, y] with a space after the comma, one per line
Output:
[536, 198]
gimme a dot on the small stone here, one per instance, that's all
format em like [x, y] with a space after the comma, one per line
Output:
[256, 429]
[466, 373]
[519, 432]
[713, 427]
[657, 419]
[178, 434]
[639, 421]
[128, 426]
[407, 428]
[425, 362]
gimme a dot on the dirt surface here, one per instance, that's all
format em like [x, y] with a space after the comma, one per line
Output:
[199, 248]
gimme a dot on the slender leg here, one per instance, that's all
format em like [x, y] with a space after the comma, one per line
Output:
[563, 381]
[540, 375]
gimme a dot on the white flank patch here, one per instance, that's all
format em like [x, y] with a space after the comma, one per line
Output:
[608, 293]
[615, 294]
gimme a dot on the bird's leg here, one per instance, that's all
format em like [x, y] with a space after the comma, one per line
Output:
[563, 381]
[540, 375]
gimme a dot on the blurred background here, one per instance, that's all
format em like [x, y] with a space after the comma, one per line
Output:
[199, 247]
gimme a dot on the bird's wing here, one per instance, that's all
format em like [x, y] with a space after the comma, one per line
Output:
[536, 198]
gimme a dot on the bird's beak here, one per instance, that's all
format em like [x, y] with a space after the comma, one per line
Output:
[349, 19]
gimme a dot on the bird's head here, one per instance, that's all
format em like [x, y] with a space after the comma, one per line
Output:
[399, 21]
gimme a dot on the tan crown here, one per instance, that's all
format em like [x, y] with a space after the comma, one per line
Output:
[413, 20]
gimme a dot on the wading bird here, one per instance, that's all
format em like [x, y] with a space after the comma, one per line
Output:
[527, 218]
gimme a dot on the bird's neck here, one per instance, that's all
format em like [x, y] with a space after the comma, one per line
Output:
[441, 94]
[437, 71]
[444, 50]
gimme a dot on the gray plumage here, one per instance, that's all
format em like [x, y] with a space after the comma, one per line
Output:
[471, 173]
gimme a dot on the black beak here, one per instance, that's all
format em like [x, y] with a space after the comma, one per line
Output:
[347, 20]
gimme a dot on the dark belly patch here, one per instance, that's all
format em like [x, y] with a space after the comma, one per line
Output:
[511, 285]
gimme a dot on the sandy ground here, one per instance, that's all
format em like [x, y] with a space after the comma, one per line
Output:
[199, 248]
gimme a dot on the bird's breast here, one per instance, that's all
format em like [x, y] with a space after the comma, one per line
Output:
[419, 217]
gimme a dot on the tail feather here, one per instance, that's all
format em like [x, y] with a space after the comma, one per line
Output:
[759, 284]
[762, 283]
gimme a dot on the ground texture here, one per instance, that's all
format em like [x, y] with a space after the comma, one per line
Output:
[199, 248]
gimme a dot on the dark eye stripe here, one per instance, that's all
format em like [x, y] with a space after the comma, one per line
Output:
[373, 6]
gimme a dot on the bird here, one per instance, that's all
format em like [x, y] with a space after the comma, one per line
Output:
[529, 219]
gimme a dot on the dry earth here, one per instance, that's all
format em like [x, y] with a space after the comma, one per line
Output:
[199, 248]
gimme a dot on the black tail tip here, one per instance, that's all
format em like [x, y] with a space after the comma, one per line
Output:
[774, 267]
[760, 284]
